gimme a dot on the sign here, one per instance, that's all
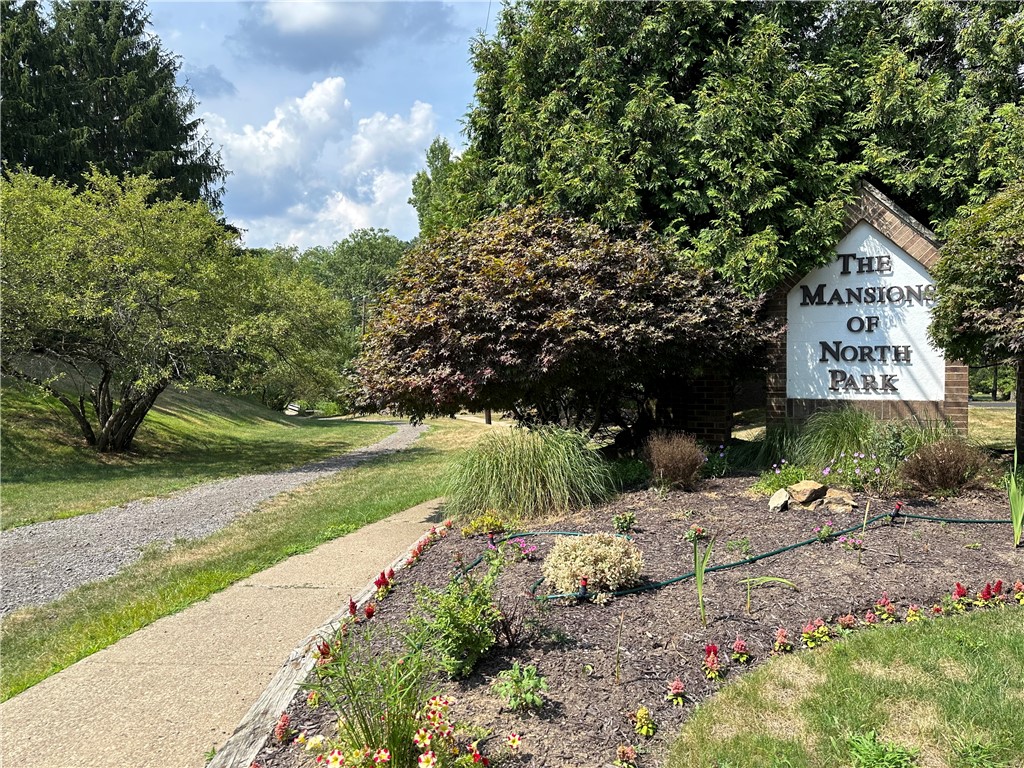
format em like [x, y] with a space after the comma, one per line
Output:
[858, 327]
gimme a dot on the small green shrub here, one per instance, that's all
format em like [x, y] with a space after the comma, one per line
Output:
[1015, 493]
[527, 474]
[866, 751]
[520, 687]
[624, 522]
[781, 475]
[676, 459]
[718, 461]
[608, 562]
[360, 682]
[458, 624]
[489, 521]
[948, 465]
[629, 474]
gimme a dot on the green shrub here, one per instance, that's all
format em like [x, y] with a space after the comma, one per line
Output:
[489, 521]
[948, 465]
[676, 459]
[527, 474]
[520, 687]
[360, 682]
[458, 623]
[628, 474]
[608, 562]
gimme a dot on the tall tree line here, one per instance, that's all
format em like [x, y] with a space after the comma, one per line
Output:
[88, 83]
[738, 129]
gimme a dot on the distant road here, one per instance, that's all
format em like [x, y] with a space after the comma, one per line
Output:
[990, 404]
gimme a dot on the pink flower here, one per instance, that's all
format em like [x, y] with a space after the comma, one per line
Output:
[283, 728]
[870, 618]
[382, 756]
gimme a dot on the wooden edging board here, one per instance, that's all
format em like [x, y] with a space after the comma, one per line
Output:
[252, 733]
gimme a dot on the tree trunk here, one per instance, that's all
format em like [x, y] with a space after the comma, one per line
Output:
[119, 431]
[1019, 421]
[995, 382]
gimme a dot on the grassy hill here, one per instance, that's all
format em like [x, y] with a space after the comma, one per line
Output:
[47, 471]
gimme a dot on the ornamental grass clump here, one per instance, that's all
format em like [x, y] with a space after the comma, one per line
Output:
[676, 460]
[607, 562]
[527, 473]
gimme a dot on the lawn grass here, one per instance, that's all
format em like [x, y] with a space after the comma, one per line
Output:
[992, 428]
[39, 641]
[950, 688]
[190, 437]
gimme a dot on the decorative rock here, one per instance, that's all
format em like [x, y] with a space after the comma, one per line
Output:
[806, 491]
[779, 501]
[839, 502]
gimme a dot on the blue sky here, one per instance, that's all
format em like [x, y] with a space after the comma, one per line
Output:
[324, 110]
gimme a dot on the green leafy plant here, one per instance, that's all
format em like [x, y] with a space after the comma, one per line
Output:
[1016, 496]
[360, 682]
[606, 561]
[527, 473]
[488, 521]
[624, 522]
[781, 475]
[521, 687]
[700, 563]
[628, 474]
[741, 547]
[716, 461]
[676, 459]
[866, 751]
[644, 724]
[458, 623]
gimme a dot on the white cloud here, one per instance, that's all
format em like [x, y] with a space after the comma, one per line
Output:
[305, 178]
[391, 140]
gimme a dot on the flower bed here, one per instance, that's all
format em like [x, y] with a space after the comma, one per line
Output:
[606, 661]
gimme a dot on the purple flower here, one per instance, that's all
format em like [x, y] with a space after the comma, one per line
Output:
[878, 471]
[826, 471]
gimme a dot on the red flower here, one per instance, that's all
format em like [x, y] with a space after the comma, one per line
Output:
[369, 610]
[960, 591]
[391, 574]
[710, 650]
[998, 588]
[283, 727]
[986, 592]
[352, 607]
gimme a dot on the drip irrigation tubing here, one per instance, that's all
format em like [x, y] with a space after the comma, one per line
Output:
[892, 517]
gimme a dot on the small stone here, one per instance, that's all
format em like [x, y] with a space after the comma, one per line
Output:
[806, 491]
[779, 501]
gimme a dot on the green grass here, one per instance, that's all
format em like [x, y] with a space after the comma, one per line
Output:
[190, 437]
[37, 642]
[950, 688]
[992, 428]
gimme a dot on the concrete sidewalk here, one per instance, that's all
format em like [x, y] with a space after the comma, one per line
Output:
[166, 694]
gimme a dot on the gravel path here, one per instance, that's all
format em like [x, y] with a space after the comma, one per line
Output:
[40, 562]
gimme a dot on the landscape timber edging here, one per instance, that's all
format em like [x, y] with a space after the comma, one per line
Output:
[256, 728]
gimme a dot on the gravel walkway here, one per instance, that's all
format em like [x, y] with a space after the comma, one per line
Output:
[40, 562]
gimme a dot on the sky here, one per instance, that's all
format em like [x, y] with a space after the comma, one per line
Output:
[323, 110]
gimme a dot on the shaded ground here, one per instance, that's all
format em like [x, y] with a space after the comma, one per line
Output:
[604, 661]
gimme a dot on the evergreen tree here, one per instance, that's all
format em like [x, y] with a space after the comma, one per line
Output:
[94, 86]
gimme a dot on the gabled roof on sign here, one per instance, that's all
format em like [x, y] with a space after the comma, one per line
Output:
[900, 227]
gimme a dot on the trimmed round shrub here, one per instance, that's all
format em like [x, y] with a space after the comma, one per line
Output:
[527, 473]
[946, 465]
[606, 561]
[676, 459]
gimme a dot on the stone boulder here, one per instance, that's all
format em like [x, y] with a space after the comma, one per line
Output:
[839, 502]
[806, 492]
[779, 501]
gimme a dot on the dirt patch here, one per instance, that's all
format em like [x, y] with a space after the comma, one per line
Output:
[597, 678]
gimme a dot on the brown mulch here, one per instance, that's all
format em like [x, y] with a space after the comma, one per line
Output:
[598, 676]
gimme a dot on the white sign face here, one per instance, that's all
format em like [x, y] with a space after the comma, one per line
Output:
[858, 327]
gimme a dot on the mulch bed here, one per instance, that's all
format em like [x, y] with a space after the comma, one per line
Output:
[598, 678]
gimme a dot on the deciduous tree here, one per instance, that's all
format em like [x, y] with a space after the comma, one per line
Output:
[554, 320]
[980, 285]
